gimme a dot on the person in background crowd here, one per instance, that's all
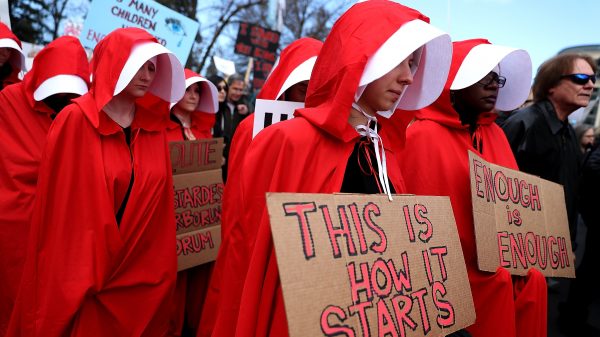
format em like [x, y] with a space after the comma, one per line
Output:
[60, 72]
[585, 135]
[221, 86]
[287, 81]
[101, 258]
[193, 117]
[365, 68]
[541, 138]
[575, 312]
[12, 59]
[462, 119]
[229, 119]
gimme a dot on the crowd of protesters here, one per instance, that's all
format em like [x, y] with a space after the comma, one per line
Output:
[87, 225]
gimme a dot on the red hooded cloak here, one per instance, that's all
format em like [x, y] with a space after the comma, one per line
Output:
[15, 60]
[86, 275]
[202, 121]
[24, 123]
[307, 154]
[435, 162]
[291, 57]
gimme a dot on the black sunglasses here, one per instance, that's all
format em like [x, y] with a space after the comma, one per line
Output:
[580, 79]
[489, 79]
[221, 87]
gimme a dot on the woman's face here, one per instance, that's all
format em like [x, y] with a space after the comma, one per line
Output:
[141, 81]
[222, 88]
[4, 55]
[479, 97]
[190, 99]
[384, 92]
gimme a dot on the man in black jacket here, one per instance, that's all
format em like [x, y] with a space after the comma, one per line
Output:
[544, 143]
[541, 138]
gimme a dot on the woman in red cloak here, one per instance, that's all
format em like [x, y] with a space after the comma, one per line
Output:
[378, 56]
[101, 255]
[483, 77]
[192, 118]
[12, 59]
[288, 81]
[60, 72]
[194, 115]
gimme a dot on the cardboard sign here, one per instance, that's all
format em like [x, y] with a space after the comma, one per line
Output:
[268, 112]
[175, 31]
[198, 191]
[198, 198]
[257, 42]
[196, 155]
[360, 265]
[520, 221]
[198, 247]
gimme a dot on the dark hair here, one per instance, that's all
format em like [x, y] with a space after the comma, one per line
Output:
[216, 79]
[550, 73]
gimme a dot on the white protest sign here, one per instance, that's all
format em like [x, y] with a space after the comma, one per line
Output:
[268, 112]
[227, 67]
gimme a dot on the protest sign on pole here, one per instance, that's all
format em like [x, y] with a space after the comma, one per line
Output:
[260, 71]
[520, 221]
[198, 190]
[260, 44]
[257, 42]
[225, 66]
[174, 31]
[360, 265]
[268, 112]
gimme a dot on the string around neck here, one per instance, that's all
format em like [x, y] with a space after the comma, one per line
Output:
[371, 134]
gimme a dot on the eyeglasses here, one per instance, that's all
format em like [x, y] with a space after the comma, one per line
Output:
[580, 79]
[491, 78]
[221, 87]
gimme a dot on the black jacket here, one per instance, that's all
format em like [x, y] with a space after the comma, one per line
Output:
[547, 147]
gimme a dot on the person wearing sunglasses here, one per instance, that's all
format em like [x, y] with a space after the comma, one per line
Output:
[221, 85]
[542, 140]
[483, 77]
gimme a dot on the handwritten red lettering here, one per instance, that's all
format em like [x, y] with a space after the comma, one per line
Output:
[446, 317]
[300, 210]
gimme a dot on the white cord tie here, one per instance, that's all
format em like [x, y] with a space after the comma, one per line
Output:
[366, 131]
